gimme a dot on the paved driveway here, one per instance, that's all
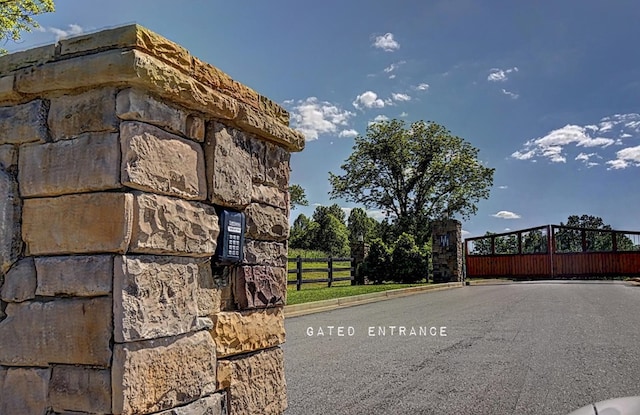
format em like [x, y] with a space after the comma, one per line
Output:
[522, 348]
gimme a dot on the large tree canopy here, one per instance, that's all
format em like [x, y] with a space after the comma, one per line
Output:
[16, 16]
[416, 174]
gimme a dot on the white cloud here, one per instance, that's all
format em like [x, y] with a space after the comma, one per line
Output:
[625, 157]
[378, 215]
[597, 142]
[394, 66]
[623, 123]
[404, 114]
[584, 156]
[605, 126]
[348, 133]
[510, 94]
[500, 75]
[554, 153]
[572, 134]
[386, 42]
[379, 118]
[586, 159]
[505, 214]
[553, 145]
[400, 97]
[422, 87]
[313, 117]
[368, 99]
[465, 233]
[523, 156]
[503, 187]
[73, 30]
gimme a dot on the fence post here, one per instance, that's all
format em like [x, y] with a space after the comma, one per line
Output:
[298, 273]
[330, 266]
[353, 275]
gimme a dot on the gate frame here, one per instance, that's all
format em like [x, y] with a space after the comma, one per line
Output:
[574, 264]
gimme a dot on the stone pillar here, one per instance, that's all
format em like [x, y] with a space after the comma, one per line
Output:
[446, 251]
[359, 251]
[117, 150]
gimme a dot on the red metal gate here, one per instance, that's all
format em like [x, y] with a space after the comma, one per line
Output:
[554, 251]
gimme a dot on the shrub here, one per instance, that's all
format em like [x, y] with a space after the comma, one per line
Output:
[376, 265]
[409, 262]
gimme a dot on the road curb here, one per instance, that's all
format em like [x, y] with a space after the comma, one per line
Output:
[490, 282]
[343, 302]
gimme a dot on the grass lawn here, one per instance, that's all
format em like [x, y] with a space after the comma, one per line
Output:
[318, 292]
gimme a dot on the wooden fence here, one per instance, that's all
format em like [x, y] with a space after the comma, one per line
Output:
[300, 270]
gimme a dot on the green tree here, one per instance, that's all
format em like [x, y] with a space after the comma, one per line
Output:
[16, 16]
[625, 243]
[335, 210]
[417, 174]
[482, 246]
[506, 244]
[503, 244]
[586, 221]
[570, 240]
[387, 231]
[409, 263]
[596, 235]
[332, 237]
[377, 264]
[297, 196]
[361, 225]
[302, 233]
[331, 234]
[534, 242]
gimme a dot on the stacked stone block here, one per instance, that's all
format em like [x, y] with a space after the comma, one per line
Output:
[446, 251]
[117, 150]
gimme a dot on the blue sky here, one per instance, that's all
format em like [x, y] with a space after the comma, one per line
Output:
[548, 91]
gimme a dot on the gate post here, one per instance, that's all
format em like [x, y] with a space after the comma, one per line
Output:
[446, 251]
[359, 251]
[551, 248]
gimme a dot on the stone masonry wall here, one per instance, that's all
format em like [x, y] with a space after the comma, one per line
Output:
[446, 251]
[117, 150]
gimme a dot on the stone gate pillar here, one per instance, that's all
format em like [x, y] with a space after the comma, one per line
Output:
[359, 251]
[446, 251]
[117, 151]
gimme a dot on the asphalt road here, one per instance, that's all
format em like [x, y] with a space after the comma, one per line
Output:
[524, 348]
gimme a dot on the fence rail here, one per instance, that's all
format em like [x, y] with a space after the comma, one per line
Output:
[330, 270]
